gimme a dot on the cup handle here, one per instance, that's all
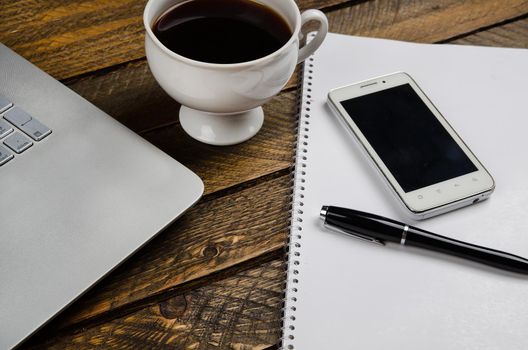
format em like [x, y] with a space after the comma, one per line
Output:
[318, 16]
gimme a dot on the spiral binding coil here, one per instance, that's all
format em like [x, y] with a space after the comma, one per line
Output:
[297, 215]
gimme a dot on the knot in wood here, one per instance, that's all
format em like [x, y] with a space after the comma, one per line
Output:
[173, 307]
[210, 251]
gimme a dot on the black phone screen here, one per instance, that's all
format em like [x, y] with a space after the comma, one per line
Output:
[408, 138]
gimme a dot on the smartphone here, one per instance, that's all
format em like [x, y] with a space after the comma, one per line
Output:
[424, 162]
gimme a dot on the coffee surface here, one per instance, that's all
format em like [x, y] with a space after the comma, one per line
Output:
[222, 31]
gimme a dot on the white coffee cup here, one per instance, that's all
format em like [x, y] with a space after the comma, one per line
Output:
[221, 103]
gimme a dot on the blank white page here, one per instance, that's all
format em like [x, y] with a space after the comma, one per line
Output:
[349, 294]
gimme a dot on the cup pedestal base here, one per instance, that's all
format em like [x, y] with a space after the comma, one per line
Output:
[221, 129]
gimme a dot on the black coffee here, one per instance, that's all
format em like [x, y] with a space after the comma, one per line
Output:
[222, 31]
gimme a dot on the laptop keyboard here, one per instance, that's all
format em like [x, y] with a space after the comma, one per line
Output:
[18, 130]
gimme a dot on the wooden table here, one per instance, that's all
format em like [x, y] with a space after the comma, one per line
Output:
[213, 279]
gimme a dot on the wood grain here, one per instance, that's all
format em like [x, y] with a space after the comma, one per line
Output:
[214, 235]
[423, 20]
[238, 312]
[67, 38]
[514, 34]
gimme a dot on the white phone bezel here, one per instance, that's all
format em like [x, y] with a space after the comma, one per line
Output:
[426, 201]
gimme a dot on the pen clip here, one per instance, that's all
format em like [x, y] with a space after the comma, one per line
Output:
[354, 235]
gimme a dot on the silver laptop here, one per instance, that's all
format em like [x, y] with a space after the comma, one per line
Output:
[79, 193]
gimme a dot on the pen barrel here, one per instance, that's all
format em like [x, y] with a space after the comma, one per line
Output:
[430, 241]
[365, 224]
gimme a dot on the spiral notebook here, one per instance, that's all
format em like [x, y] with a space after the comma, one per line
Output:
[346, 294]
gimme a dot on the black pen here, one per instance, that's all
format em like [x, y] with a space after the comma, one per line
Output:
[377, 229]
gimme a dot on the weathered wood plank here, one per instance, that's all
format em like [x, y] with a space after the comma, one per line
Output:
[212, 236]
[424, 20]
[67, 38]
[514, 34]
[236, 313]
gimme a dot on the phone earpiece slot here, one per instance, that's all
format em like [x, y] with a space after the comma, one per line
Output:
[370, 84]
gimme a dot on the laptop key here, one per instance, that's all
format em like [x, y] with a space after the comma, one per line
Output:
[29, 125]
[5, 155]
[4, 103]
[18, 142]
[5, 129]
[35, 129]
[17, 116]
